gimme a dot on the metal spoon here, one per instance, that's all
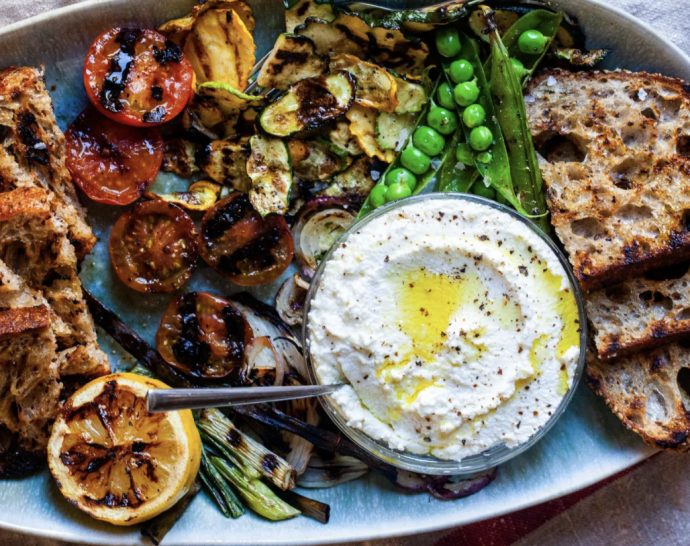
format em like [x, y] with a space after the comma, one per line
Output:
[161, 400]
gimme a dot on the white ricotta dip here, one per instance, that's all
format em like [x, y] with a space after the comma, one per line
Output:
[453, 325]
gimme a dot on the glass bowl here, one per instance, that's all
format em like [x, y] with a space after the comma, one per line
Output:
[427, 464]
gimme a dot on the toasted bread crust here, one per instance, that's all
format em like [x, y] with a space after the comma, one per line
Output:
[644, 392]
[616, 167]
[33, 151]
[23, 320]
[640, 314]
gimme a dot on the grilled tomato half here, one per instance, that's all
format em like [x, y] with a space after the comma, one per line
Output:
[204, 336]
[137, 77]
[112, 163]
[243, 246]
[117, 462]
[153, 246]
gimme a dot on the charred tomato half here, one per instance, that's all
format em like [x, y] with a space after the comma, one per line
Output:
[153, 246]
[243, 246]
[112, 163]
[204, 336]
[137, 77]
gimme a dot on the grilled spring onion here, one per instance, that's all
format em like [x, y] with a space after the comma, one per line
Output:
[159, 526]
[324, 472]
[255, 493]
[310, 508]
[227, 500]
[248, 451]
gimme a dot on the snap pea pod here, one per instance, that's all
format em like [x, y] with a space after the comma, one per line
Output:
[512, 117]
[496, 172]
[546, 22]
[436, 161]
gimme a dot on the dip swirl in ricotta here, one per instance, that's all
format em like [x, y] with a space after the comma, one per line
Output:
[453, 325]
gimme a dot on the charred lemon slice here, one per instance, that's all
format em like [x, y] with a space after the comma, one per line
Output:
[117, 462]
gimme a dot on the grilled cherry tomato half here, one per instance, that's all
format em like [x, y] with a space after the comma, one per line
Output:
[153, 246]
[112, 163]
[241, 245]
[204, 336]
[137, 77]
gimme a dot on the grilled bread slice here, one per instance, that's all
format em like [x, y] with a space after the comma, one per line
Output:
[649, 392]
[32, 149]
[641, 313]
[616, 163]
[48, 344]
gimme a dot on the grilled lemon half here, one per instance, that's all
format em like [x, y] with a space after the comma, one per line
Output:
[117, 462]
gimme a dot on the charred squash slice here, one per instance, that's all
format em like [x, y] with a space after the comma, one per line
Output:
[298, 11]
[392, 130]
[270, 171]
[292, 59]
[376, 88]
[363, 126]
[309, 104]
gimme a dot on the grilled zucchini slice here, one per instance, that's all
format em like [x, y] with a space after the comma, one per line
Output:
[376, 88]
[292, 59]
[225, 162]
[410, 94]
[298, 11]
[392, 130]
[389, 48]
[312, 160]
[309, 104]
[356, 181]
[414, 20]
[363, 127]
[342, 138]
[270, 172]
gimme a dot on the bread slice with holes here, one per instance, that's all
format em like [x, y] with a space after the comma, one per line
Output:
[615, 158]
[641, 313]
[32, 149]
[48, 344]
[648, 392]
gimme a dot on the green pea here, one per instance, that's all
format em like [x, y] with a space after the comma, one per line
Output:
[532, 42]
[428, 140]
[377, 197]
[463, 153]
[445, 96]
[397, 191]
[474, 115]
[481, 138]
[466, 93]
[461, 71]
[401, 176]
[448, 42]
[519, 67]
[442, 120]
[484, 157]
[482, 190]
[415, 160]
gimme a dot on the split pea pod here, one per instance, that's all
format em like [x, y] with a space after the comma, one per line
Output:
[506, 90]
[419, 161]
[492, 163]
[544, 22]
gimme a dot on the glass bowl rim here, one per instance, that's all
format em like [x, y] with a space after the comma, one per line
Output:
[427, 464]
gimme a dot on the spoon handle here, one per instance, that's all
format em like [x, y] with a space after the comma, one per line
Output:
[161, 400]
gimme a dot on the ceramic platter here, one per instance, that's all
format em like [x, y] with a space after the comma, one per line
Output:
[587, 445]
